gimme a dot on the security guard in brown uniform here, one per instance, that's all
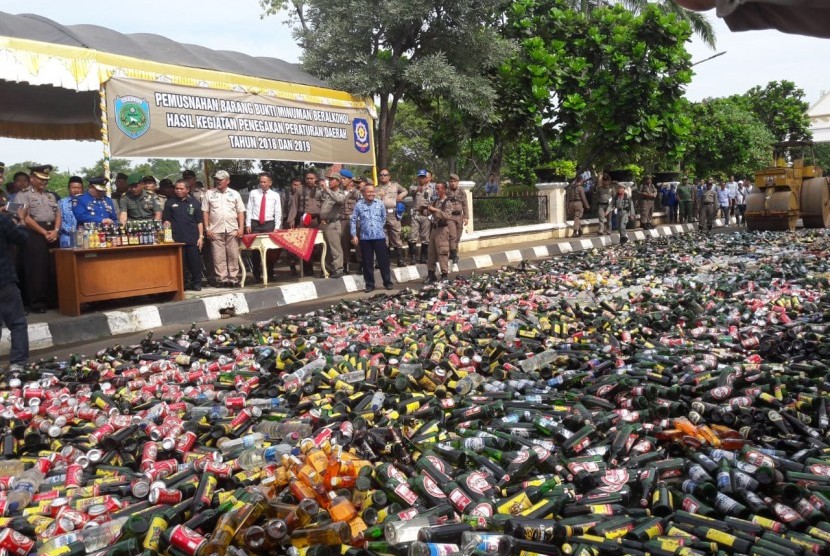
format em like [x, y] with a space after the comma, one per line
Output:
[43, 223]
[419, 227]
[576, 204]
[352, 197]
[709, 203]
[440, 211]
[304, 210]
[459, 214]
[332, 201]
[648, 193]
[390, 192]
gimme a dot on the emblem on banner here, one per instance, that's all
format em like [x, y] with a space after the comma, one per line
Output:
[361, 135]
[132, 114]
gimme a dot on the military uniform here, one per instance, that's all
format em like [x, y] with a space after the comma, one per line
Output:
[576, 204]
[604, 193]
[332, 202]
[648, 193]
[684, 197]
[439, 239]
[185, 216]
[88, 209]
[458, 215]
[419, 226]
[388, 195]
[306, 200]
[708, 206]
[143, 206]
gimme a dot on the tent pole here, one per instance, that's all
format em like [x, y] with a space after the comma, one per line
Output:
[105, 136]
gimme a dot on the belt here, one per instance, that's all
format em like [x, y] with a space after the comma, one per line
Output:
[46, 225]
[444, 225]
[390, 211]
[456, 213]
[708, 203]
[603, 204]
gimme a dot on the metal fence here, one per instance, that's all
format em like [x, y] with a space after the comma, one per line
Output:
[504, 212]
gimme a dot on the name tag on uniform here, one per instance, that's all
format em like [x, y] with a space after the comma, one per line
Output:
[175, 205]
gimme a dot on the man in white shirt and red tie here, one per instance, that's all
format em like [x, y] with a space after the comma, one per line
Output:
[264, 214]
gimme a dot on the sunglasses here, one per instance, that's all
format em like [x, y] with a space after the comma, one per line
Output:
[384, 174]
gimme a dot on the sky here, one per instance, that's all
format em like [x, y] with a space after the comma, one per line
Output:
[751, 58]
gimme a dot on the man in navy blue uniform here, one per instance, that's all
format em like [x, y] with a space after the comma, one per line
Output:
[184, 215]
[94, 205]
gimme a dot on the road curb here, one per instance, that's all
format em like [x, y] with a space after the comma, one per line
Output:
[94, 326]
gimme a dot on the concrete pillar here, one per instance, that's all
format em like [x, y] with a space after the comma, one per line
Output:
[555, 192]
[467, 188]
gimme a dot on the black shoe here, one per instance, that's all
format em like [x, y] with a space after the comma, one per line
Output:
[369, 289]
[623, 240]
[40, 309]
[431, 278]
[196, 288]
[388, 286]
[294, 270]
[336, 274]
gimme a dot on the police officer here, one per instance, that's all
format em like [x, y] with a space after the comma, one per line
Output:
[94, 206]
[184, 215]
[576, 203]
[708, 204]
[352, 197]
[648, 193]
[139, 203]
[622, 207]
[390, 193]
[332, 201]
[440, 211]
[43, 223]
[419, 226]
[459, 214]
[304, 211]
[604, 194]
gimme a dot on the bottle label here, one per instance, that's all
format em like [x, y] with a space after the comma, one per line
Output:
[477, 482]
[724, 503]
[690, 505]
[459, 499]
[432, 488]
[437, 462]
[785, 513]
[406, 494]
[483, 510]
[436, 549]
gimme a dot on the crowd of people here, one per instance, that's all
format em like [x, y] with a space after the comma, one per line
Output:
[702, 201]
[210, 222]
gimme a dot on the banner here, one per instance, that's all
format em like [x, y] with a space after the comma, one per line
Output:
[159, 120]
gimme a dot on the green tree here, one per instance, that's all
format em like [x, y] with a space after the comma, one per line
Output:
[58, 182]
[822, 151]
[727, 139]
[780, 106]
[116, 165]
[399, 49]
[608, 82]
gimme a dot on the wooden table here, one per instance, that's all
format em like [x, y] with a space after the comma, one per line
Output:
[262, 244]
[100, 274]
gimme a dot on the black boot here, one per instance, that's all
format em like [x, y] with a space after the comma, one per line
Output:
[444, 276]
[413, 255]
[424, 253]
[399, 251]
[454, 256]
[431, 278]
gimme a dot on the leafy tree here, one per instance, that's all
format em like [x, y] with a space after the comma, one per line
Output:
[116, 165]
[727, 139]
[283, 172]
[780, 106]
[58, 182]
[606, 83]
[822, 151]
[399, 49]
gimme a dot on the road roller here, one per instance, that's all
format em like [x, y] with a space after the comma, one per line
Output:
[791, 189]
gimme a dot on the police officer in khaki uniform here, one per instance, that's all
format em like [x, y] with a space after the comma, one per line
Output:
[332, 201]
[139, 204]
[604, 194]
[440, 211]
[304, 210]
[459, 214]
[390, 193]
[352, 197]
[576, 203]
[43, 223]
[708, 206]
[648, 193]
[419, 226]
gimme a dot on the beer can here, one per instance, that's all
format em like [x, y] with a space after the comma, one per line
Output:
[187, 540]
[16, 543]
[165, 496]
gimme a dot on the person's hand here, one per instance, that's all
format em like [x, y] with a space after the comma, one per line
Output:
[210, 235]
[22, 213]
[106, 221]
[51, 236]
[354, 241]
[239, 232]
[200, 242]
[247, 229]
[465, 222]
